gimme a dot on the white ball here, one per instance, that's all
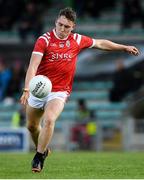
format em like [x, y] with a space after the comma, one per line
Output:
[40, 86]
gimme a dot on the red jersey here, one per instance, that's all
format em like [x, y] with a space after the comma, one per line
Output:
[59, 57]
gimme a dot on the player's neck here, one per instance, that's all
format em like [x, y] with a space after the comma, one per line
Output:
[54, 31]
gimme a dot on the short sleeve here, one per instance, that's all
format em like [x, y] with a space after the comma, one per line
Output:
[40, 46]
[86, 42]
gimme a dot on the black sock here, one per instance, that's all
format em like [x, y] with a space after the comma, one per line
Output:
[39, 155]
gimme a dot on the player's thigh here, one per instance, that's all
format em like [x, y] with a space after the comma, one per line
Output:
[33, 116]
[53, 109]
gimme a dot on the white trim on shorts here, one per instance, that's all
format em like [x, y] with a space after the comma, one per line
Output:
[40, 103]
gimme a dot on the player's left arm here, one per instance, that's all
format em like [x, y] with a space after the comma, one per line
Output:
[111, 46]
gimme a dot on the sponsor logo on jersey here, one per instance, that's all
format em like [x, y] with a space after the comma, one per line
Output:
[61, 44]
[60, 56]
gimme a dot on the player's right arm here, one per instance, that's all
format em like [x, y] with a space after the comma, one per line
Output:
[35, 60]
[31, 72]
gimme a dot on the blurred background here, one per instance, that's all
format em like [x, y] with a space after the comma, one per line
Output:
[106, 109]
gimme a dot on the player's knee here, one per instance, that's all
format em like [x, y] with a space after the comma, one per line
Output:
[49, 122]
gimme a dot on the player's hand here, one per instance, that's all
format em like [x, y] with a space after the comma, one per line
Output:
[24, 97]
[132, 50]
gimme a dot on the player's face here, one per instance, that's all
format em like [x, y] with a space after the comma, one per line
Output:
[63, 27]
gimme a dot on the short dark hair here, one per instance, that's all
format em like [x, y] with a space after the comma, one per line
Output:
[69, 13]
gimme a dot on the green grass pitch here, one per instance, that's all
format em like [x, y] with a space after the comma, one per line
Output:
[75, 165]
